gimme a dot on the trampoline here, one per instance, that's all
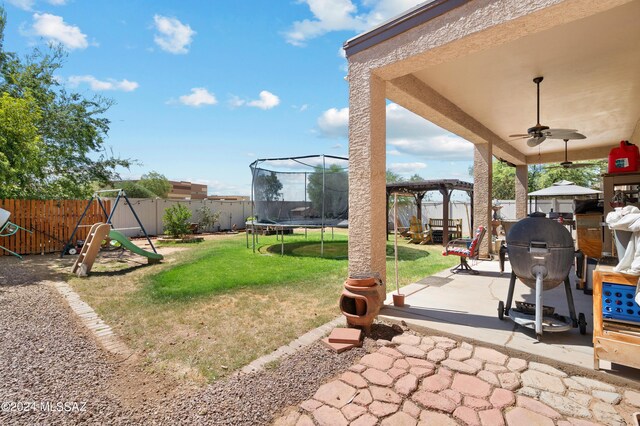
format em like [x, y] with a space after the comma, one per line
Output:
[309, 192]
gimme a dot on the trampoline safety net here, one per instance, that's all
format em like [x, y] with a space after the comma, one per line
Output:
[310, 191]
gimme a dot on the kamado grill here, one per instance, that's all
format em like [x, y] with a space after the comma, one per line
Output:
[541, 254]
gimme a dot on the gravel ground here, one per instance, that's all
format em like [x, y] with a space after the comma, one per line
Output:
[255, 399]
[46, 357]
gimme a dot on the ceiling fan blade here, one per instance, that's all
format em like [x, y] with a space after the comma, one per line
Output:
[580, 165]
[558, 131]
[558, 134]
[533, 142]
[521, 135]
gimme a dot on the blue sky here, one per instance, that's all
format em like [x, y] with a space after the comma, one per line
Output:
[203, 88]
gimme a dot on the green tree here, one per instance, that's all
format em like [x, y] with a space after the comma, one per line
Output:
[504, 181]
[583, 176]
[393, 177]
[20, 145]
[267, 187]
[71, 128]
[135, 190]
[541, 176]
[416, 178]
[156, 183]
[335, 190]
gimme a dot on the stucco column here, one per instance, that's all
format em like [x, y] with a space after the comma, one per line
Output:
[367, 174]
[482, 176]
[522, 188]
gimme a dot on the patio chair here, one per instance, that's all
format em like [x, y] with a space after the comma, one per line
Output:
[415, 230]
[417, 234]
[465, 248]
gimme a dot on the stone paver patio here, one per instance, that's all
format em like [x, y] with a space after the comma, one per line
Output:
[416, 380]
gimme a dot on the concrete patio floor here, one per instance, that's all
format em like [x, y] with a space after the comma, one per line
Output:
[465, 306]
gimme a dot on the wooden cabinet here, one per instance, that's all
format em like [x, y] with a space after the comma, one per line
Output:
[589, 234]
[617, 341]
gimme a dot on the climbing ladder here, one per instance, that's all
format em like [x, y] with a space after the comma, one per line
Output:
[84, 262]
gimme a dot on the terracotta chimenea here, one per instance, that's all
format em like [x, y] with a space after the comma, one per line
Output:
[361, 301]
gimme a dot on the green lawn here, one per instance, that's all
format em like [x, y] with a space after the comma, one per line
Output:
[228, 265]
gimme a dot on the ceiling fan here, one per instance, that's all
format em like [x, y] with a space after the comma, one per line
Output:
[570, 164]
[537, 134]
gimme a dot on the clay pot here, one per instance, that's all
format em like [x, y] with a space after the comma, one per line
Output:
[398, 300]
[360, 282]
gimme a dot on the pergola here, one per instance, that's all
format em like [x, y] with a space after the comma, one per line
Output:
[418, 189]
[467, 66]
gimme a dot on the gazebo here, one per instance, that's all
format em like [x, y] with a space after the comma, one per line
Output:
[418, 189]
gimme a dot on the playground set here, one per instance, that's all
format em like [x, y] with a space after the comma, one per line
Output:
[99, 233]
[102, 231]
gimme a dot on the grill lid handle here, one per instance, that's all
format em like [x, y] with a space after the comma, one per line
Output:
[538, 247]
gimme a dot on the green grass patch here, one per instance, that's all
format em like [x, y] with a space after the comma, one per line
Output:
[228, 264]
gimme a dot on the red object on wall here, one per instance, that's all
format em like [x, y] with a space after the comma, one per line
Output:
[624, 159]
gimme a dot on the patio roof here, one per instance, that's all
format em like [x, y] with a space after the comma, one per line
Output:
[468, 67]
[476, 80]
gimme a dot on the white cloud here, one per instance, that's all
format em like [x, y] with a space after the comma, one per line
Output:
[199, 96]
[236, 101]
[334, 123]
[99, 85]
[407, 167]
[55, 29]
[407, 134]
[342, 15]
[173, 36]
[22, 4]
[57, 2]
[267, 101]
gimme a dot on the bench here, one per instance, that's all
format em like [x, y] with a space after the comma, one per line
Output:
[436, 229]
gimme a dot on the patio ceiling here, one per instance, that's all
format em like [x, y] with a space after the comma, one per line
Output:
[480, 86]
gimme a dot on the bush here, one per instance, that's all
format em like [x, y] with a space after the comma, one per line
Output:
[176, 221]
[206, 218]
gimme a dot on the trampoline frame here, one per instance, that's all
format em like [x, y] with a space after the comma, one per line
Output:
[254, 225]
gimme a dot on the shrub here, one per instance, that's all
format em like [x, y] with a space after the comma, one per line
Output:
[206, 218]
[176, 220]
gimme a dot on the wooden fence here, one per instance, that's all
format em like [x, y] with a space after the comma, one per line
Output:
[51, 221]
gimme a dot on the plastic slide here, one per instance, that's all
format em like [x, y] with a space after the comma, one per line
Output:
[126, 243]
